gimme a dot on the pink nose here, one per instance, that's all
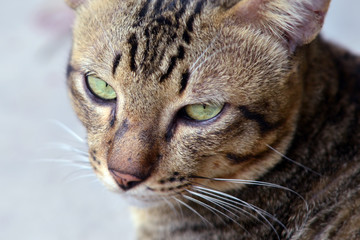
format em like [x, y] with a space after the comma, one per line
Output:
[125, 181]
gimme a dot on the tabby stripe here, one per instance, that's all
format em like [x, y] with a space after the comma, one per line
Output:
[144, 9]
[190, 22]
[173, 61]
[258, 118]
[163, 21]
[186, 37]
[142, 13]
[157, 6]
[181, 12]
[134, 46]
[116, 63]
[237, 158]
[184, 80]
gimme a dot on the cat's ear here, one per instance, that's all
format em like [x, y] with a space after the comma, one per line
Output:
[298, 22]
[74, 3]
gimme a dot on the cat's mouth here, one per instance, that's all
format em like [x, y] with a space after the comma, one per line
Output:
[145, 196]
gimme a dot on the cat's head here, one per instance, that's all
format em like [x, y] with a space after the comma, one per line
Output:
[175, 93]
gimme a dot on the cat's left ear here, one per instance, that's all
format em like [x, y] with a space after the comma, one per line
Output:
[74, 4]
[296, 21]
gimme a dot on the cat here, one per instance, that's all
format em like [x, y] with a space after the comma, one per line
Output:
[220, 119]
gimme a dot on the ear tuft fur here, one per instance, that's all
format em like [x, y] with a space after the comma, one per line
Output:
[74, 4]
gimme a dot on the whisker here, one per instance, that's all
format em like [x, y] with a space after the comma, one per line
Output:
[217, 203]
[211, 209]
[68, 130]
[218, 198]
[193, 210]
[64, 160]
[82, 177]
[293, 161]
[170, 205]
[67, 147]
[265, 184]
[77, 172]
[257, 183]
[259, 211]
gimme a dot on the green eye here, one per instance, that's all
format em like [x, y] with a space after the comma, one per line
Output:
[100, 88]
[202, 112]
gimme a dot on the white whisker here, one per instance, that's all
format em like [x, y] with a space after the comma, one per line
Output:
[67, 147]
[259, 211]
[265, 184]
[211, 209]
[170, 205]
[68, 130]
[78, 172]
[193, 210]
[64, 160]
[294, 162]
[259, 183]
[82, 177]
[246, 213]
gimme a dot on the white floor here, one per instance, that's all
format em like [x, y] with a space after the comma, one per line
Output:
[46, 200]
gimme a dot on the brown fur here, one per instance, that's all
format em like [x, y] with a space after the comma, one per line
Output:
[282, 95]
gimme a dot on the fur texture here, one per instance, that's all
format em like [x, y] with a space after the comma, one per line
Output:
[280, 161]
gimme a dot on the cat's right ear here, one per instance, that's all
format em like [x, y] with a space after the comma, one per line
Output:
[74, 4]
[297, 22]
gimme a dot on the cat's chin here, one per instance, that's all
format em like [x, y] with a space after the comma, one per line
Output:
[137, 202]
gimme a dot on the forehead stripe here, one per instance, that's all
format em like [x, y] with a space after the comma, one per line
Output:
[157, 6]
[116, 63]
[173, 62]
[190, 21]
[134, 46]
[144, 9]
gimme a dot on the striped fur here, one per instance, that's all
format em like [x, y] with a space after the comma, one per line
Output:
[280, 161]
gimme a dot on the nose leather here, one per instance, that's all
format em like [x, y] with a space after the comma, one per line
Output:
[124, 180]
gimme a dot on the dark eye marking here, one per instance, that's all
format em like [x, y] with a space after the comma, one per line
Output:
[69, 70]
[113, 117]
[184, 80]
[259, 118]
[123, 129]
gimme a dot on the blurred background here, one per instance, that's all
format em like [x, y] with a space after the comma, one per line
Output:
[42, 196]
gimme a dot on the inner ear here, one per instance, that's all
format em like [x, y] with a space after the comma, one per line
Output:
[74, 4]
[296, 22]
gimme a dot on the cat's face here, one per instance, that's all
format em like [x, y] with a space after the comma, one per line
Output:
[175, 93]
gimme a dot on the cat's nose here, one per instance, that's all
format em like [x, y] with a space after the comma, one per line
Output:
[125, 181]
